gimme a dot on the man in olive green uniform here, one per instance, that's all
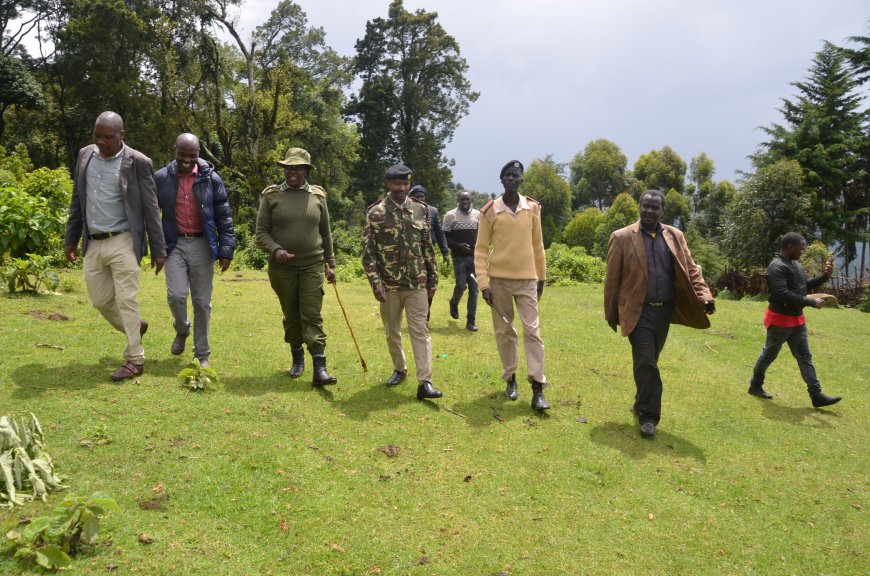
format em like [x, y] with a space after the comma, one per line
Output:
[399, 261]
[293, 227]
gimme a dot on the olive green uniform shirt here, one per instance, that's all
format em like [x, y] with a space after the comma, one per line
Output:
[297, 220]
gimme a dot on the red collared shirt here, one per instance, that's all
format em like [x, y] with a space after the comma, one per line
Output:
[187, 217]
[772, 318]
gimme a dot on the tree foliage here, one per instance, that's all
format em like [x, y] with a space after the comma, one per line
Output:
[413, 94]
[544, 182]
[622, 212]
[661, 169]
[770, 203]
[597, 174]
[580, 231]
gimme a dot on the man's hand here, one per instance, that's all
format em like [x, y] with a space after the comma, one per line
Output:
[818, 303]
[283, 257]
[329, 273]
[540, 288]
[157, 264]
[466, 247]
[829, 267]
[612, 326]
[710, 306]
[224, 263]
[487, 295]
[430, 293]
[380, 294]
[71, 252]
[446, 259]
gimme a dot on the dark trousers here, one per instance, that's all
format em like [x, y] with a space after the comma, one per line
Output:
[647, 341]
[463, 267]
[300, 291]
[800, 349]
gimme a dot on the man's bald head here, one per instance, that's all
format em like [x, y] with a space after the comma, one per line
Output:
[187, 140]
[109, 134]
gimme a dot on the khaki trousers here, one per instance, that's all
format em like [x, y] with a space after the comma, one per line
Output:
[112, 278]
[525, 294]
[415, 304]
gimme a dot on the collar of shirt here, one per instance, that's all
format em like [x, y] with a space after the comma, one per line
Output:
[658, 230]
[500, 206]
[395, 204]
[191, 174]
[96, 152]
[285, 187]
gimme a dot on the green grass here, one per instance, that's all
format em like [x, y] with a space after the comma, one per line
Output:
[265, 475]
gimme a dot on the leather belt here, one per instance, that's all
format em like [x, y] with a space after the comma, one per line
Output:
[105, 235]
[194, 235]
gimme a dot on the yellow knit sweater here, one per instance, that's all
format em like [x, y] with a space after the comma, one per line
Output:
[510, 245]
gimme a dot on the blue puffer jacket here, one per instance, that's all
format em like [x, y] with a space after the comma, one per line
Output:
[214, 208]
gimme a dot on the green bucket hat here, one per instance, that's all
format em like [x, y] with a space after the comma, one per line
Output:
[296, 157]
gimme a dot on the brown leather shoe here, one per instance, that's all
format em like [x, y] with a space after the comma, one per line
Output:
[177, 346]
[127, 371]
[143, 327]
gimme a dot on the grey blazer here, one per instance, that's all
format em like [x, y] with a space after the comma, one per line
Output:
[140, 203]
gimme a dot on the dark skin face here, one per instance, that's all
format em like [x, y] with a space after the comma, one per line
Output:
[108, 136]
[186, 155]
[295, 176]
[651, 210]
[511, 181]
[794, 251]
[397, 190]
[464, 199]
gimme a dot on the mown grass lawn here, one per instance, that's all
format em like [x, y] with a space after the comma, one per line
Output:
[265, 475]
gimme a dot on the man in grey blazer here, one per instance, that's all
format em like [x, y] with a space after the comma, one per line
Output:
[114, 203]
[652, 281]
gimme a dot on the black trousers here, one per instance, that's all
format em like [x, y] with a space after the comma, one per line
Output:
[647, 341]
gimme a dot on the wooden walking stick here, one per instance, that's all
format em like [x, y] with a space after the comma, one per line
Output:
[340, 305]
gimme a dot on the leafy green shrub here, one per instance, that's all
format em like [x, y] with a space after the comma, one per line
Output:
[567, 266]
[346, 239]
[28, 275]
[864, 305]
[814, 258]
[196, 378]
[707, 255]
[348, 269]
[248, 254]
[51, 540]
[25, 464]
[69, 285]
[580, 231]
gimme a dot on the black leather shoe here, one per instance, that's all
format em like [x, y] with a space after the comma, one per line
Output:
[321, 377]
[760, 392]
[177, 346]
[454, 310]
[647, 429]
[471, 326]
[538, 401]
[426, 390]
[396, 379]
[298, 366]
[510, 391]
[821, 399]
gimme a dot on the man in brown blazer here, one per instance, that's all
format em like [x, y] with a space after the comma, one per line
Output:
[651, 282]
[114, 203]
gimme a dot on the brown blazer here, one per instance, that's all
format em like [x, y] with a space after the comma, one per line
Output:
[625, 282]
[140, 203]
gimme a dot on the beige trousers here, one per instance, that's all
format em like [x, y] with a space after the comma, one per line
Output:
[525, 294]
[416, 305]
[112, 278]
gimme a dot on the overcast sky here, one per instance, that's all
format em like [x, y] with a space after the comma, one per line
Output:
[699, 76]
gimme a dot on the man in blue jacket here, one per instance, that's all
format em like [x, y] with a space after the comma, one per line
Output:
[198, 227]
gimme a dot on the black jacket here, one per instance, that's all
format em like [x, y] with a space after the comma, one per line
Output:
[788, 286]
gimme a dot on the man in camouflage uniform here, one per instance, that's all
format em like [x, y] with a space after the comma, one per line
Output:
[399, 261]
[293, 228]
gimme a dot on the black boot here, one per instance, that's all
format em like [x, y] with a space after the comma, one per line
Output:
[759, 391]
[538, 401]
[426, 390]
[819, 398]
[298, 366]
[321, 377]
[510, 391]
[454, 309]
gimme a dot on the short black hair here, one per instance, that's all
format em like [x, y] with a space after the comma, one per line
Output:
[790, 239]
[657, 193]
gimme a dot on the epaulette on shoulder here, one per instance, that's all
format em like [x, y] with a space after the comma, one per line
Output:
[271, 189]
[487, 206]
[532, 200]
[317, 190]
[417, 200]
[372, 205]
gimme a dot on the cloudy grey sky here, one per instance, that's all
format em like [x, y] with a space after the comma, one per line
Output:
[699, 76]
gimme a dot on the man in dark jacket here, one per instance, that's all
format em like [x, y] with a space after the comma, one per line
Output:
[198, 227]
[785, 321]
[438, 239]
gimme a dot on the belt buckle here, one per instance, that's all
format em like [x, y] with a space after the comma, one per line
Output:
[656, 304]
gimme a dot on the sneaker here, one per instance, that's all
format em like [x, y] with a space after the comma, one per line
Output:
[647, 429]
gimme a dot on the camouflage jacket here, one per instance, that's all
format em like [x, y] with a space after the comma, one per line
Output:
[397, 252]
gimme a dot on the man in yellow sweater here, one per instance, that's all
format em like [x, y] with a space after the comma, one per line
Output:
[509, 260]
